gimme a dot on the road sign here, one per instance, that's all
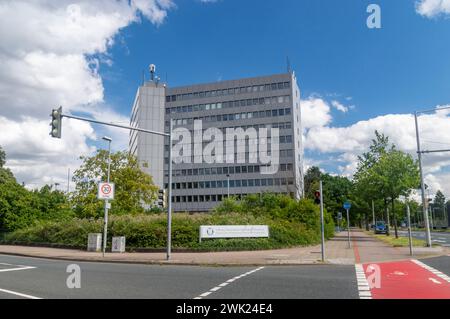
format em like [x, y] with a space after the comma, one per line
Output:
[347, 205]
[105, 191]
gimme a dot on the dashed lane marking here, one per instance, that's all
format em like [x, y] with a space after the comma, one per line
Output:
[226, 283]
[18, 294]
[15, 267]
[432, 270]
[363, 285]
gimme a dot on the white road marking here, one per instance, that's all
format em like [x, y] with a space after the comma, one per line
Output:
[18, 294]
[435, 281]
[363, 285]
[14, 267]
[432, 270]
[218, 287]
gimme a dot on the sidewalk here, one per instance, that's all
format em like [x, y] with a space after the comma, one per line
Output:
[365, 248]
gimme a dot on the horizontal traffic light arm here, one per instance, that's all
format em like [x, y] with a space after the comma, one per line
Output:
[114, 125]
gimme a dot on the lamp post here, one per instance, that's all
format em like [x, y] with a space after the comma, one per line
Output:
[105, 226]
[228, 185]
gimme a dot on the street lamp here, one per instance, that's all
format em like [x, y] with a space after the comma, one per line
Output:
[105, 229]
[228, 185]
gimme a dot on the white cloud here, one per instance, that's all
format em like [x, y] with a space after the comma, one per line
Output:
[433, 8]
[355, 139]
[338, 106]
[50, 55]
[315, 113]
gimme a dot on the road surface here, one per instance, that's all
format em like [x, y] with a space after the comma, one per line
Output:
[440, 238]
[28, 278]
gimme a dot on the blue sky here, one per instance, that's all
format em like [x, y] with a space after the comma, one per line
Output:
[402, 67]
[88, 56]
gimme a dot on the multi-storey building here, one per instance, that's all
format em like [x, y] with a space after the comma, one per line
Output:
[251, 104]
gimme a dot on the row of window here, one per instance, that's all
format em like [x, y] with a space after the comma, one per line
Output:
[235, 183]
[248, 157]
[284, 139]
[281, 126]
[208, 198]
[230, 91]
[223, 105]
[226, 170]
[234, 117]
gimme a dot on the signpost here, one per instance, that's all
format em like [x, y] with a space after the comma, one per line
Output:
[347, 207]
[105, 191]
[339, 218]
[322, 228]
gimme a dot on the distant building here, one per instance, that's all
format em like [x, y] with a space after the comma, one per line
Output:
[251, 104]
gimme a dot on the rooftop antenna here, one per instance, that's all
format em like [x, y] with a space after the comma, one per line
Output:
[152, 68]
[143, 77]
[288, 64]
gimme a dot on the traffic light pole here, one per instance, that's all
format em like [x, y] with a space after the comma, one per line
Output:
[57, 134]
[322, 227]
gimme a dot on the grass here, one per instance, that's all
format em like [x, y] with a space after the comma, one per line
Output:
[401, 241]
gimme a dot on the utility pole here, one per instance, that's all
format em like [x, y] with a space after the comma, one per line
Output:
[107, 204]
[169, 209]
[408, 215]
[322, 226]
[68, 180]
[422, 185]
[373, 215]
[56, 123]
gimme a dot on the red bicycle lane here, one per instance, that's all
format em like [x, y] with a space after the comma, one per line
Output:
[409, 279]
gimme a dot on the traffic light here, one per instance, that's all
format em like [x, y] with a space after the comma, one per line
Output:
[317, 197]
[162, 198]
[56, 122]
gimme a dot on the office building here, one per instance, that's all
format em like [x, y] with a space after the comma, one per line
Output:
[249, 105]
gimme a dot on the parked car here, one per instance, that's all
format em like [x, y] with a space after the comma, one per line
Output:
[381, 227]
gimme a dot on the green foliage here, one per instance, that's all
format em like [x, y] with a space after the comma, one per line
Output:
[133, 187]
[149, 231]
[291, 223]
[20, 207]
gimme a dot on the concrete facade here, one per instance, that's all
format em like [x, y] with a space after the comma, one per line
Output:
[252, 103]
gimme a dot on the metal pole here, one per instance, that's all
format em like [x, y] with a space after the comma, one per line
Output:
[422, 185]
[169, 210]
[348, 227]
[322, 227]
[68, 180]
[228, 185]
[373, 216]
[408, 214]
[105, 226]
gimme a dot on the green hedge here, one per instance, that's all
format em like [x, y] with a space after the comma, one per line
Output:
[295, 224]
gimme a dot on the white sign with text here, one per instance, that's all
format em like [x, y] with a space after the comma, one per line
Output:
[105, 191]
[235, 231]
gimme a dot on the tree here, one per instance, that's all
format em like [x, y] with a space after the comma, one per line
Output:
[134, 189]
[366, 186]
[312, 178]
[2, 157]
[395, 174]
[439, 200]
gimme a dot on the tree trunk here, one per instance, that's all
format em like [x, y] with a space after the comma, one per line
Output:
[395, 218]
[367, 222]
[386, 212]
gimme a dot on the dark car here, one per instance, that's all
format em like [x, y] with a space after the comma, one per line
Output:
[381, 227]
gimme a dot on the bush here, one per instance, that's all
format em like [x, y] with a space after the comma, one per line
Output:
[291, 223]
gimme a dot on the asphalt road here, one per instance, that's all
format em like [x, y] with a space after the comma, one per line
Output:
[23, 277]
[108, 280]
[441, 238]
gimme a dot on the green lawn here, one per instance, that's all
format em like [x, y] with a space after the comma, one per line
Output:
[400, 242]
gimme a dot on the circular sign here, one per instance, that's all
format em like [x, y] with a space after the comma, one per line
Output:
[106, 189]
